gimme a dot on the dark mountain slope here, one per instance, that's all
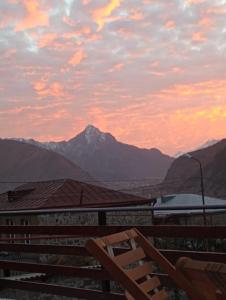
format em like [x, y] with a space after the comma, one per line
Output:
[23, 162]
[184, 173]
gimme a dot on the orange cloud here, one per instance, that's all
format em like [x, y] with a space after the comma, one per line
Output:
[86, 30]
[39, 86]
[94, 37]
[34, 16]
[85, 2]
[219, 10]
[212, 113]
[46, 39]
[77, 57]
[56, 90]
[43, 90]
[177, 70]
[198, 37]
[170, 25]
[205, 22]
[116, 67]
[136, 15]
[100, 14]
[195, 1]
[177, 130]
[214, 89]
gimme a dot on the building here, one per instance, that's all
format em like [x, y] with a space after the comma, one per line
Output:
[188, 216]
[60, 194]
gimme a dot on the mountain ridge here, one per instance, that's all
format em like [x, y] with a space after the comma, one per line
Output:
[21, 162]
[213, 163]
[106, 158]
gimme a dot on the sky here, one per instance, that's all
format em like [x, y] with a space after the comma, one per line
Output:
[151, 72]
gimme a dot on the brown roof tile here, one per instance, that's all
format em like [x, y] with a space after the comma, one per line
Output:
[63, 194]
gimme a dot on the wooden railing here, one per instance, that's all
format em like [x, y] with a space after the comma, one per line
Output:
[46, 233]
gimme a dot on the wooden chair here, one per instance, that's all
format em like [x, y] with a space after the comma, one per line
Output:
[208, 278]
[133, 269]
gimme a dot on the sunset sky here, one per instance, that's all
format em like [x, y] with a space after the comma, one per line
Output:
[151, 72]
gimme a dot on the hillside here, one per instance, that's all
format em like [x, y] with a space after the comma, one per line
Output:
[23, 162]
[184, 173]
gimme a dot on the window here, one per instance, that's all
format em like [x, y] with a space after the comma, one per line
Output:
[27, 236]
[10, 222]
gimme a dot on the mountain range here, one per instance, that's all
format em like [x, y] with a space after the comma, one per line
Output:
[184, 174]
[107, 159]
[93, 155]
[21, 162]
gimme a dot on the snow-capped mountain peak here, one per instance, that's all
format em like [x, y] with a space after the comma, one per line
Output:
[92, 134]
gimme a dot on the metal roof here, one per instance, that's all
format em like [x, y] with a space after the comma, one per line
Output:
[186, 200]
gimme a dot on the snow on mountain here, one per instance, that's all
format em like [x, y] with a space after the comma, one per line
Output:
[105, 158]
[203, 146]
[207, 144]
[92, 134]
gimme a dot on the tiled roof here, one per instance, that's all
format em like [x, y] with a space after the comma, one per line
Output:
[63, 194]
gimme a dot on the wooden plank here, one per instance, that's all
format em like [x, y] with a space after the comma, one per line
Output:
[130, 257]
[207, 277]
[172, 255]
[140, 271]
[150, 284]
[156, 256]
[54, 269]
[95, 231]
[161, 295]
[59, 290]
[44, 248]
[116, 271]
[118, 238]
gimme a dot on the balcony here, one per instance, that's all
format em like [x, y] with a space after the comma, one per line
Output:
[56, 262]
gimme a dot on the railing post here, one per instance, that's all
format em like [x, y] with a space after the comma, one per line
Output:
[102, 220]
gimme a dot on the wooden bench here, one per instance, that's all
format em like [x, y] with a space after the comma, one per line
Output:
[208, 278]
[133, 269]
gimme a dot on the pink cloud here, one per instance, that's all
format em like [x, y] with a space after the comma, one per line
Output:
[195, 1]
[148, 84]
[85, 2]
[170, 24]
[136, 15]
[77, 57]
[34, 17]
[54, 89]
[46, 39]
[198, 37]
[206, 22]
[116, 67]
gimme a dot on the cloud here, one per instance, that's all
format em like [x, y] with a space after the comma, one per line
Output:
[100, 14]
[198, 37]
[46, 39]
[77, 57]
[150, 72]
[44, 90]
[34, 16]
[170, 25]
[195, 1]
